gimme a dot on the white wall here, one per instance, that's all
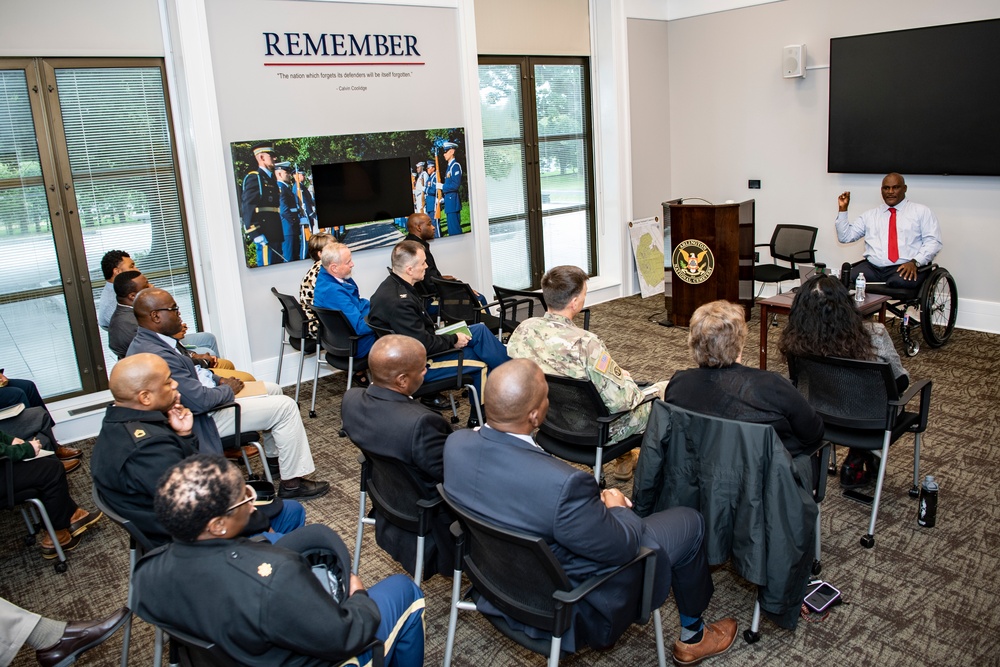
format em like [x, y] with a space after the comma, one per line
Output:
[733, 118]
[533, 27]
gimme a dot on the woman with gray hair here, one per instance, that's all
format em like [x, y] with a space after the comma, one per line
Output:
[721, 386]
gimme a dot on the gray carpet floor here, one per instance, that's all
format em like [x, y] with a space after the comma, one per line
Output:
[921, 596]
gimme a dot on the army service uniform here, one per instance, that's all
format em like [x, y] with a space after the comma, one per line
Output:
[261, 214]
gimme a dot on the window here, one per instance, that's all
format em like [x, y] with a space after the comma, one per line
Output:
[539, 166]
[86, 165]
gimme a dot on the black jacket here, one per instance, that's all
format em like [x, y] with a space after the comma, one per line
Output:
[396, 306]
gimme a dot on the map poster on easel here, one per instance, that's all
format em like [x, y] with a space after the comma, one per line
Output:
[647, 249]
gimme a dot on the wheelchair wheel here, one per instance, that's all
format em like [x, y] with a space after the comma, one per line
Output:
[938, 308]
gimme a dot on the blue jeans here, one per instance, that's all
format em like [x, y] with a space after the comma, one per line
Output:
[203, 340]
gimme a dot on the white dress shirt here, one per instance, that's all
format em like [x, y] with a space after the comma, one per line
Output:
[918, 233]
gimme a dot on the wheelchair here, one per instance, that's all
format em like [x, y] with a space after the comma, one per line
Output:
[935, 299]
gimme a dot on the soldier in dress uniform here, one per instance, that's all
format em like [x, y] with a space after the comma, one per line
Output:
[449, 188]
[562, 348]
[260, 209]
[289, 210]
[430, 197]
[419, 183]
[308, 222]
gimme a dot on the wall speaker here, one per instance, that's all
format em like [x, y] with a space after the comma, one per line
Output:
[793, 61]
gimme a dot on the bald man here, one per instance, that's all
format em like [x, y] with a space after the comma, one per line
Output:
[202, 392]
[384, 420]
[144, 433]
[499, 473]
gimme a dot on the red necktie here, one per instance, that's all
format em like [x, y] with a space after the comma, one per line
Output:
[893, 244]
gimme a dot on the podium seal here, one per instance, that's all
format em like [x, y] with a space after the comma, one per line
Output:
[692, 261]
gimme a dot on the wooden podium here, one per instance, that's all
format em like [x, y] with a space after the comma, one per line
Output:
[709, 253]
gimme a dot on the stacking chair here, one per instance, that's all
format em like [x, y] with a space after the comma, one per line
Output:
[519, 575]
[294, 332]
[518, 305]
[861, 407]
[462, 379]
[400, 498]
[578, 425]
[339, 341]
[789, 243]
[458, 302]
[235, 446]
[33, 512]
[195, 652]
[688, 460]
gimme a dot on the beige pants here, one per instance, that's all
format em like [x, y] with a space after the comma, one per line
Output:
[15, 626]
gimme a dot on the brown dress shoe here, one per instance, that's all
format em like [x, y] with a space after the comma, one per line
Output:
[66, 541]
[68, 453]
[717, 638]
[72, 465]
[82, 519]
[80, 636]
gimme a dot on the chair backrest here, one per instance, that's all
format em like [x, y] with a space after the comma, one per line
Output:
[196, 652]
[336, 334]
[394, 489]
[293, 318]
[517, 573]
[140, 541]
[456, 301]
[794, 243]
[379, 331]
[846, 392]
[574, 407]
[518, 305]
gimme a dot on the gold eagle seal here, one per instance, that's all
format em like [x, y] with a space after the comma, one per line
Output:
[693, 261]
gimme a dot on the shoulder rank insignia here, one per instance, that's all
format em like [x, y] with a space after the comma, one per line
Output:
[264, 569]
[138, 433]
[137, 430]
[402, 296]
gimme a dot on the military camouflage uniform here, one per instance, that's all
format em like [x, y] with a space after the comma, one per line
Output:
[562, 348]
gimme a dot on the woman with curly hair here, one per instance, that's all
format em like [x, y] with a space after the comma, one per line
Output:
[825, 321]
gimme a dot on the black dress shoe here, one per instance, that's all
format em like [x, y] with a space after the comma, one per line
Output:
[436, 402]
[304, 490]
[80, 636]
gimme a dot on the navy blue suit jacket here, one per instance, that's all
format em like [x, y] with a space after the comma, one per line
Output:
[516, 485]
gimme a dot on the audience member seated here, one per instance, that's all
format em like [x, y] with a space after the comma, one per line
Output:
[420, 230]
[53, 641]
[203, 391]
[119, 261]
[146, 431]
[307, 287]
[123, 327]
[722, 386]
[562, 348]
[499, 473]
[45, 479]
[826, 322]
[261, 604]
[395, 305]
[33, 421]
[336, 290]
[385, 420]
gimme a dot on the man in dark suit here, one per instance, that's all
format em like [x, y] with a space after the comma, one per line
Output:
[500, 474]
[395, 305]
[385, 421]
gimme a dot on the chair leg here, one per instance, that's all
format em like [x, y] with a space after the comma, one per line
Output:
[661, 654]
[312, 407]
[554, 649]
[456, 592]
[361, 530]
[475, 403]
[418, 569]
[350, 373]
[598, 464]
[817, 565]
[752, 634]
[158, 648]
[298, 379]
[868, 541]
[263, 462]
[281, 356]
[915, 490]
[61, 565]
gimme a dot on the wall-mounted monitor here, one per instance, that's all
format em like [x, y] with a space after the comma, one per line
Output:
[349, 193]
[920, 101]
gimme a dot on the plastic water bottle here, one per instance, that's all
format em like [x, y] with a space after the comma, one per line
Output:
[859, 288]
[927, 508]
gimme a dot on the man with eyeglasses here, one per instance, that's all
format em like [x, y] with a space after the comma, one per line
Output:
[146, 431]
[202, 392]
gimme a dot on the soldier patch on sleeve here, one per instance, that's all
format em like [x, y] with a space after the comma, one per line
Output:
[606, 366]
[603, 361]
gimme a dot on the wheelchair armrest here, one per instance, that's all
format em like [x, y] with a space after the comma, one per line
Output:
[924, 387]
[564, 599]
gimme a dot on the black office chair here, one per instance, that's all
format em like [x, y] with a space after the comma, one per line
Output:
[33, 511]
[520, 576]
[789, 243]
[578, 425]
[861, 407]
[687, 460]
[936, 300]
[235, 447]
[457, 302]
[295, 333]
[463, 379]
[196, 652]
[339, 341]
[399, 497]
[518, 305]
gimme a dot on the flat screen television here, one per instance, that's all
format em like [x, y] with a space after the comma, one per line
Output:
[920, 101]
[349, 193]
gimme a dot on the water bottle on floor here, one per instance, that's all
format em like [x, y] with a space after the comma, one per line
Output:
[927, 504]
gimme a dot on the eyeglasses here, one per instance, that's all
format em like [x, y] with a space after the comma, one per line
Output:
[173, 309]
[251, 497]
